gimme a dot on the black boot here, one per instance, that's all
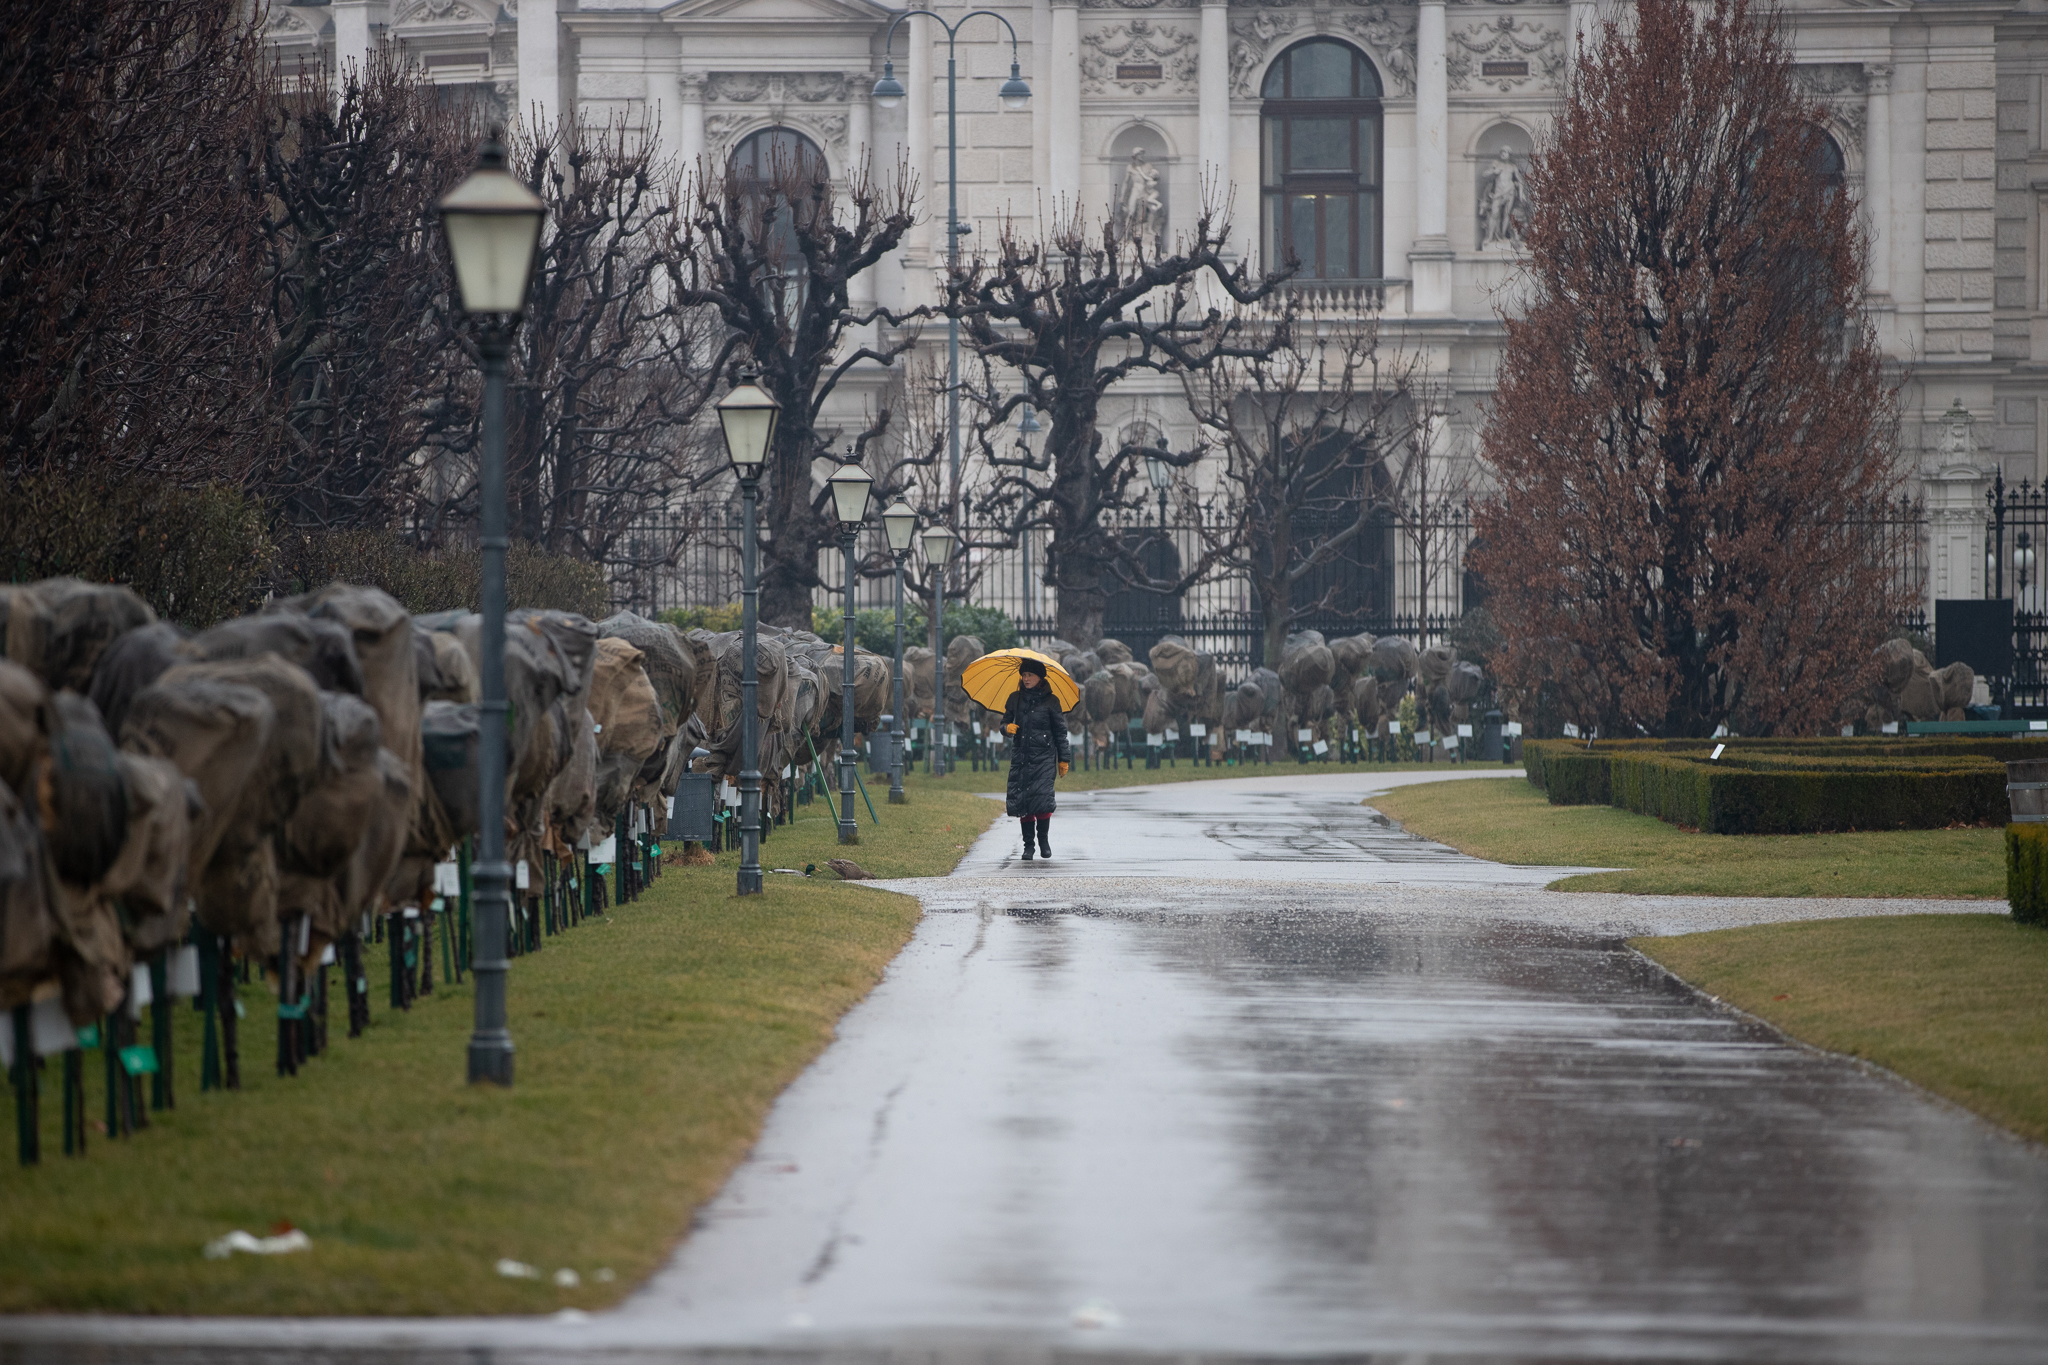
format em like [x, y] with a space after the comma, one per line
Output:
[1044, 842]
[1029, 848]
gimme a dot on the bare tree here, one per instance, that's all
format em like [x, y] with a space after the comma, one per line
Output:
[613, 365]
[772, 250]
[1426, 497]
[1305, 430]
[366, 365]
[1072, 317]
[128, 308]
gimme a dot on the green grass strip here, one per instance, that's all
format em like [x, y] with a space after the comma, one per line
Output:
[1955, 1003]
[1511, 822]
[651, 1042]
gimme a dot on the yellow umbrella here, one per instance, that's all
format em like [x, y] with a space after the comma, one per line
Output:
[993, 677]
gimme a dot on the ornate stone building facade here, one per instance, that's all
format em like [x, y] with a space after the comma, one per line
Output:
[1384, 139]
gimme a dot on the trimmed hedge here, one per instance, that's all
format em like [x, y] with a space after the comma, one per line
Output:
[2026, 872]
[1799, 790]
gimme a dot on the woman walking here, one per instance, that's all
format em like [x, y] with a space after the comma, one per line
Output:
[1037, 727]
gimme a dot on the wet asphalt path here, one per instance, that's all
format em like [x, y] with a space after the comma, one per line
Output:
[1402, 1117]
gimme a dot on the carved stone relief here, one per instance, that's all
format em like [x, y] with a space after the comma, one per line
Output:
[1839, 88]
[1388, 35]
[1506, 54]
[1253, 36]
[1140, 4]
[284, 21]
[751, 87]
[1138, 58]
[439, 12]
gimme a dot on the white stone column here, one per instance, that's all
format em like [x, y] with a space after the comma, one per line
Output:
[860, 123]
[358, 26]
[1213, 101]
[690, 123]
[1041, 94]
[1429, 260]
[540, 63]
[1064, 154]
[666, 91]
[1585, 21]
[1877, 173]
[918, 149]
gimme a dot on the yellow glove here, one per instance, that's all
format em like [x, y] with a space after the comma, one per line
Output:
[1011, 728]
[1063, 770]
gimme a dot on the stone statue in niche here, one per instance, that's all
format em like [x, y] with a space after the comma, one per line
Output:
[1140, 207]
[1503, 203]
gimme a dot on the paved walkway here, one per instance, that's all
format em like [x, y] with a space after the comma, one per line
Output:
[1379, 1110]
[1290, 827]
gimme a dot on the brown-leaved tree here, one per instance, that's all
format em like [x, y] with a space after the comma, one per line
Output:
[1692, 434]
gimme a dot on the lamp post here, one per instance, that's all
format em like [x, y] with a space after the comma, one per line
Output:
[493, 224]
[1014, 95]
[938, 552]
[849, 484]
[747, 416]
[899, 524]
[1160, 472]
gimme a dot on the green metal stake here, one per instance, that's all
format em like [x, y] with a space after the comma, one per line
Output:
[110, 1048]
[462, 875]
[160, 1094]
[27, 1131]
[873, 818]
[209, 1002]
[74, 1103]
[447, 949]
[817, 766]
[621, 841]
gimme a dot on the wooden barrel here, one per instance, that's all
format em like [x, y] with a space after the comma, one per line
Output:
[2026, 791]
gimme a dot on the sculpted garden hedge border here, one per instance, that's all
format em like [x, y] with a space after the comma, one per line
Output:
[1785, 786]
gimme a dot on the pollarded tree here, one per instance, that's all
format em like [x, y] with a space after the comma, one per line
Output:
[1072, 317]
[767, 246]
[1692, 434]
[1312, 439]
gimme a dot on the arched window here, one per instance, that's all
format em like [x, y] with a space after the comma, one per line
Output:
[776, 170]
[1828, 165]
[1320, 161]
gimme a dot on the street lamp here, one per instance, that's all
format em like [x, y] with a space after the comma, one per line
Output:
[1160, 471]
[849, 484]
[493, 224]
[1014, 95]
[748, 417]
[938, 550]
[899, 525]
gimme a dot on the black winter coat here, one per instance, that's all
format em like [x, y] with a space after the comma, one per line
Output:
[1036, 750]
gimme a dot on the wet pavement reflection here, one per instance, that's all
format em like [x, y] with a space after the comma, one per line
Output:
[1307, 1128]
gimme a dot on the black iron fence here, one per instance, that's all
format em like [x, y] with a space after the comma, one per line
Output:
[1405, 576]
[1381, 582]
[2015, 534]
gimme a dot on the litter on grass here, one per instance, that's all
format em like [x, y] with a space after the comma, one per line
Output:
[517, 1270]
[220, 1248]
[1097, 1314]
[567, 1278]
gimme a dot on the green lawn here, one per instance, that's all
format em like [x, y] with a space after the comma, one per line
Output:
[650, 1044]
[1512, 822]
[1956, 1003]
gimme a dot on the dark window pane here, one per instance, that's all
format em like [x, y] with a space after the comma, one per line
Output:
[1368, 151]
[1303, 213]
[1276, 80]
[1369, 266]
[1322, 71]
[1320, 144]
[1368, 80]
[1270, 152]
[1337, 237]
